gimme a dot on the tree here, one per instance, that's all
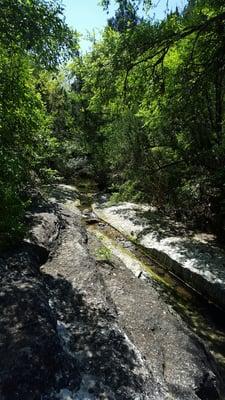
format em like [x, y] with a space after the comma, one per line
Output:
[33, 36]
[38, 28]
[160, 88]
[126, 17]
[24, 139]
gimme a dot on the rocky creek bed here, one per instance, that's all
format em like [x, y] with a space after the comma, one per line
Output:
[76, 327]
[193, 257]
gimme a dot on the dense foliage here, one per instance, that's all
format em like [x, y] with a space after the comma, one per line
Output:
[154, 96]
[33, 36]
[145, 107]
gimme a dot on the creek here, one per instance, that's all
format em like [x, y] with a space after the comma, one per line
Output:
[201, 315]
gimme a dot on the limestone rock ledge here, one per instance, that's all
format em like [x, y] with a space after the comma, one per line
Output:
[194, 258]
[71, 329]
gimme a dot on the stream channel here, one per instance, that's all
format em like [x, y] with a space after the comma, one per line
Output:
[203, 317]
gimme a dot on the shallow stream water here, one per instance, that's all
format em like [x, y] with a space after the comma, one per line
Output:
[202, 316]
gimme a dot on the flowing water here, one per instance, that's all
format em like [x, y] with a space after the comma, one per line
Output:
[202, 316]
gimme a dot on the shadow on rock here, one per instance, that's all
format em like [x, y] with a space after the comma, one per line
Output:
[51, 340]
[95, 341]
[62, 193]
[32, 360]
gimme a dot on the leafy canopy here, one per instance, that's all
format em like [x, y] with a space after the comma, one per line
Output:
[37, 27]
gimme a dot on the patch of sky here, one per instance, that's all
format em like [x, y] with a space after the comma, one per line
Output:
[89, 18]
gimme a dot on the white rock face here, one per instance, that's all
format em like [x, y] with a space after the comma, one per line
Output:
[203, 259]
[124, 217]
[189, 255]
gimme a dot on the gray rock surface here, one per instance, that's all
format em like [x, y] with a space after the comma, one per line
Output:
[178, 362]
[194, 258]
[32, 360]
[72, 328]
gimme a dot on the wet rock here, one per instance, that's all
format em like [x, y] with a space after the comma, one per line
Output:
[194, 258]
[90, 217]
[177, 360]
[91, 221]
[74, 330]
[88, 328]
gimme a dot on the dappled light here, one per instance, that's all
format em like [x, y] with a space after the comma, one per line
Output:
[112, 200]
